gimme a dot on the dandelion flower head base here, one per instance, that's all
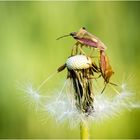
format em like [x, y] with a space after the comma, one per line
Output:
[81, 72]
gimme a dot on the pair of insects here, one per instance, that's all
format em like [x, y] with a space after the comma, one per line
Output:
[84, 38]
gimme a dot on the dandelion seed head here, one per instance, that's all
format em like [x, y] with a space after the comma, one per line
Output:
[105, 107]
[62, 105]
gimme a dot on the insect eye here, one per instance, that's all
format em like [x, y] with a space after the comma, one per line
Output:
[83, 28]
[73, 34]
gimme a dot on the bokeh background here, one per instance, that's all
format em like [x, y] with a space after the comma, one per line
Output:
[29, 51]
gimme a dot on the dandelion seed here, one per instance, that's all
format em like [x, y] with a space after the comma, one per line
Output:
[33, 96]
[44, 81]
[123, 86]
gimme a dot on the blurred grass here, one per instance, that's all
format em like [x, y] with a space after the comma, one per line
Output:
[29, 51]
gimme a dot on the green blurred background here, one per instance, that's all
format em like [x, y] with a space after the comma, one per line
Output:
[29, 51]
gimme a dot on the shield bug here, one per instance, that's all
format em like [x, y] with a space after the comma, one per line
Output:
[84, 38]
[88, 39]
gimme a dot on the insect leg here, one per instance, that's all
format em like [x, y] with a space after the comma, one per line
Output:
[75, 49]
[114, 89]
[61, 68]
[104, 88]
[81, 50]
[113, 84]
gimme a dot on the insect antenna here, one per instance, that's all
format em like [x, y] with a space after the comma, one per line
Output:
[63, 36]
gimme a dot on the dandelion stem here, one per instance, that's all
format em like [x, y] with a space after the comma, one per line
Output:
[84, 131]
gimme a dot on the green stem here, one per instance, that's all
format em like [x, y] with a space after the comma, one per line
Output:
[84, 131]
